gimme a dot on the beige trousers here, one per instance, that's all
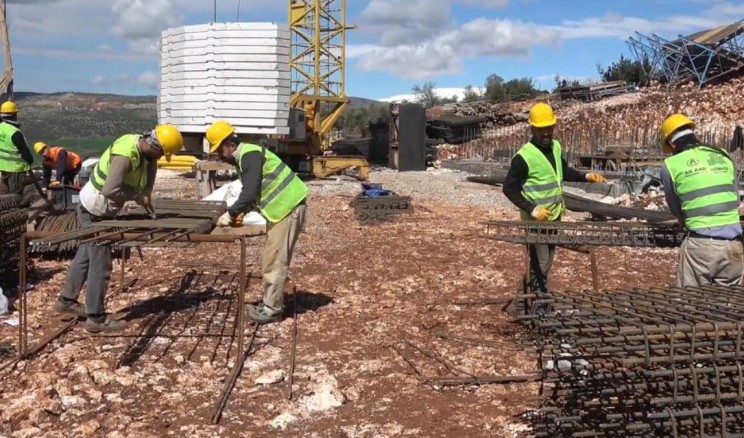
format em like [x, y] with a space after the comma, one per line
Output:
[705, 262]
[281, 238]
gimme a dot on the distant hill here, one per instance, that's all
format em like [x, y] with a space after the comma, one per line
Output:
[88, 122]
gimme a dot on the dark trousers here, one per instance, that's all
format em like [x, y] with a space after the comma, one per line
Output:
[92, 263]
[13, 182]
[68, 175]
[541, 259]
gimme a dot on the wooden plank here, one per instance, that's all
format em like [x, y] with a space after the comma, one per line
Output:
[225, 82]
[239, 114]
[228, 107]
[243, 51]
[225, 100]
[201, 128]
[235, 121]
[230, 59]
[205, 90]
[208, 74]
[223, 66]
[227, 27]
[245, 230]
[213, 165]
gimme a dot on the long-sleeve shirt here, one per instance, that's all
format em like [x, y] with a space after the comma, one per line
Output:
[519, 171]
[675, 207]
[251, 165]
[114, 194]
[61, 168]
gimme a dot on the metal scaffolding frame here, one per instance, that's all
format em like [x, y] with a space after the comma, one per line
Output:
[704, 56]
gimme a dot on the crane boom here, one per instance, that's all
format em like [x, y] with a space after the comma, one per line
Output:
[6, 82]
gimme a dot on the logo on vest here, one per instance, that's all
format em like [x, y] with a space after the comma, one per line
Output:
[692, 162]
[716, 160]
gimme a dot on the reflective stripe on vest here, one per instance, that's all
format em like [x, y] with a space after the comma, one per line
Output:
[703, 178]
[281, 189]
[543, 185]
[11, 159]
[126, 146]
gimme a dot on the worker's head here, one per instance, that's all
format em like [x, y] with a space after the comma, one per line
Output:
[9, 110]
[542, 124]
[41, 148]
[673, 129]
[163, 140]
[223, 140]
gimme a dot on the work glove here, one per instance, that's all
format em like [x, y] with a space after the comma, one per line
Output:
[54, 184]
[226, 220]
[540, 213]
[595, 178]
[143, 200]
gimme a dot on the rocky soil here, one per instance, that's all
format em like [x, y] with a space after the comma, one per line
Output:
[373, 299]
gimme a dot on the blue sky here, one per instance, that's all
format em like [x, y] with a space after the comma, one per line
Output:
[112, 46]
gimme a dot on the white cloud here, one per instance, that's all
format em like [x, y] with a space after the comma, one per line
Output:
[100, 80]
[405, 21]
[495, 4]
[149, 79]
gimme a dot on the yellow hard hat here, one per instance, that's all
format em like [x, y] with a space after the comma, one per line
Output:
[8, 108]
[217, 133]
[672, 123]
[38, 146]
[170, 139]
[541, 115]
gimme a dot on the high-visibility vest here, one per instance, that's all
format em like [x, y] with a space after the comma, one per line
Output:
[126, 146]
[73, 159]
[544, 185]
[703, 178]
[10, 157]
[281, 189]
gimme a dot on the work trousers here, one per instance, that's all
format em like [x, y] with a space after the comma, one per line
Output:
[13, 182]
[68, 175]
[92, 263]
[541, 259]
[705, 262]
[281, 238]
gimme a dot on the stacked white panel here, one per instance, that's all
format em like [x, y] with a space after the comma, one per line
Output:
[237, 72]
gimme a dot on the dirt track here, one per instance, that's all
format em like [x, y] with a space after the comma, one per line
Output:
[365, 291]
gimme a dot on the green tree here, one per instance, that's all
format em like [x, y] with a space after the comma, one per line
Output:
[425, 94]
[627, 70]
[470, 94]
[498, 90]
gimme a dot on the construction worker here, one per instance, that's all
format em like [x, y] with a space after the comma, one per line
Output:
[15, 157]
[271, 187]
[66, 164]
[125, 172]
[701, 190]
[534, 184]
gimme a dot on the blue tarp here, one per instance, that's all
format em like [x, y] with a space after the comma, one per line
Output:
[374, 190]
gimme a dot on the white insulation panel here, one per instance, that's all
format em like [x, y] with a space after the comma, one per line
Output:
[237, 72]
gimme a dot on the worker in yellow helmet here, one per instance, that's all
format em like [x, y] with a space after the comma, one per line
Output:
[125, 172]
[273, 189]
[701, 190]
[66, 164]
[15, 156]
[534, 184]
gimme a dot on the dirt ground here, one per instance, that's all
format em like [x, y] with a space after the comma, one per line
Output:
[371, 300]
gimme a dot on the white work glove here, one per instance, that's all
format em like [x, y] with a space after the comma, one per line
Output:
[225, 220]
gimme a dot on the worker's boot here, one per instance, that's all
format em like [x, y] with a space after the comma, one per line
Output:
[65, 305]
[105, 324]
[262, 315]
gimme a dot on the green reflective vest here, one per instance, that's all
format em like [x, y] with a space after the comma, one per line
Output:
[126, 146]
[10, 158]
[543, 186]
[281, 189]
[703, 179]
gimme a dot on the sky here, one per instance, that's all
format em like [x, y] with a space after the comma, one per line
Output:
[113, 46]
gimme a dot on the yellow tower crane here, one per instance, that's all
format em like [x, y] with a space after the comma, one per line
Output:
[318, 66]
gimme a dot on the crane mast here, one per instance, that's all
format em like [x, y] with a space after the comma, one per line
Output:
[318, 65]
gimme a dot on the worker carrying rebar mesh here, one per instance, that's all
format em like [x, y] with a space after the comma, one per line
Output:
[15, 156]
[125, 172]
[702, 192]
[66, 164]
[534, 183]
[275, 191]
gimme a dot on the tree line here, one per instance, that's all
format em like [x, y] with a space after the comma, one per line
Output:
[496, 90]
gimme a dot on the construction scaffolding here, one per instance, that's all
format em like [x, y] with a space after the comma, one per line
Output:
[703, 57]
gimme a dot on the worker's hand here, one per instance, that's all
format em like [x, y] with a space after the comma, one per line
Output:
[143, 200]
[225, 220]
[54, 184]
[540, 213]
[593, 177]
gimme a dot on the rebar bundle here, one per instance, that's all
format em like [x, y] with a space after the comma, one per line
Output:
[585, 233]
[12, 225]
[57, 222]
[641, 362]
